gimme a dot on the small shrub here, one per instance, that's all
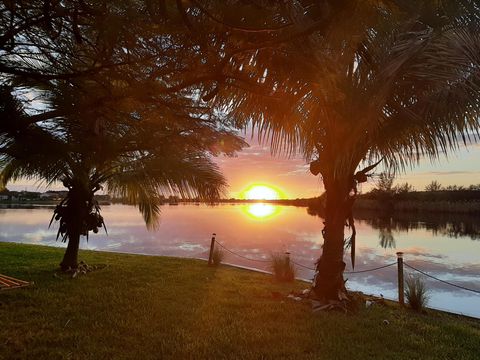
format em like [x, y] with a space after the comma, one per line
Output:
[218, 256]
[416, 292]
[282, 268]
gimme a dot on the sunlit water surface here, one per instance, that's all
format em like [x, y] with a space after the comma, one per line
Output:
[256, 231]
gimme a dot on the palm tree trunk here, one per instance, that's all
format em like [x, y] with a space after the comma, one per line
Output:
[76, 219]
[328, 282]
[70, 259]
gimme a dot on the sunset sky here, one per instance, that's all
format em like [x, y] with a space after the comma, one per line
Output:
[256, 165]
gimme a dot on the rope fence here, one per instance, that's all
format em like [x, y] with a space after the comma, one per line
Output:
[348, 272]
[442, 281]
[294, 262]
[399, 264]
[368, 270]
[241, 256]
[302, 266]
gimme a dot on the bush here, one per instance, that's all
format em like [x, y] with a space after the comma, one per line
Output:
[282, 268]
[416, 292]
[218, 256]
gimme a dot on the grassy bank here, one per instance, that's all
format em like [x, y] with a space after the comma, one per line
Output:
[158, 308]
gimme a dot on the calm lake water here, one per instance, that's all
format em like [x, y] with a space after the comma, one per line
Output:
[447, 248]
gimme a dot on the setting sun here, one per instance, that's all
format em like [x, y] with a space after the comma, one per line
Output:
[261, 192]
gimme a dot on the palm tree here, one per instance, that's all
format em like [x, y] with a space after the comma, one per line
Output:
[382, 83]
[138, 152]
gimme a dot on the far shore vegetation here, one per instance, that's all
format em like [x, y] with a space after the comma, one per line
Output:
[149, 307]
[383, 197]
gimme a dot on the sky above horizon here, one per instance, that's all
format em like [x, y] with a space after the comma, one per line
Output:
[291, 176]
[256, 165]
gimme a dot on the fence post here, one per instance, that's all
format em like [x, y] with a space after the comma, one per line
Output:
[401, 296]
[212, 245]
[287, 259]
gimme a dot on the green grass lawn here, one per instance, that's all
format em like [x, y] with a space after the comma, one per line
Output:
[142, 307]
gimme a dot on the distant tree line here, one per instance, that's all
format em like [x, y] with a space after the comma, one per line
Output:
[435, 198]
[434, 191]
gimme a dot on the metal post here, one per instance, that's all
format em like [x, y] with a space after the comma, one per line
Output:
[401, 298]
[212, 246]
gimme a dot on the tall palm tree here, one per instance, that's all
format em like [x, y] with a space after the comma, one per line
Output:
[137, 151]
[385, 81]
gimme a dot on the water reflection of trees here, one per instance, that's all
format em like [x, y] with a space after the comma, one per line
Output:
[446, 224]
[452, 225]
[386, 238]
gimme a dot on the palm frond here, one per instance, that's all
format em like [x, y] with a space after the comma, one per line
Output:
[397, 82]
[137, 189]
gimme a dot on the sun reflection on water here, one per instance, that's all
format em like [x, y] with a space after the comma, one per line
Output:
[261, 211]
